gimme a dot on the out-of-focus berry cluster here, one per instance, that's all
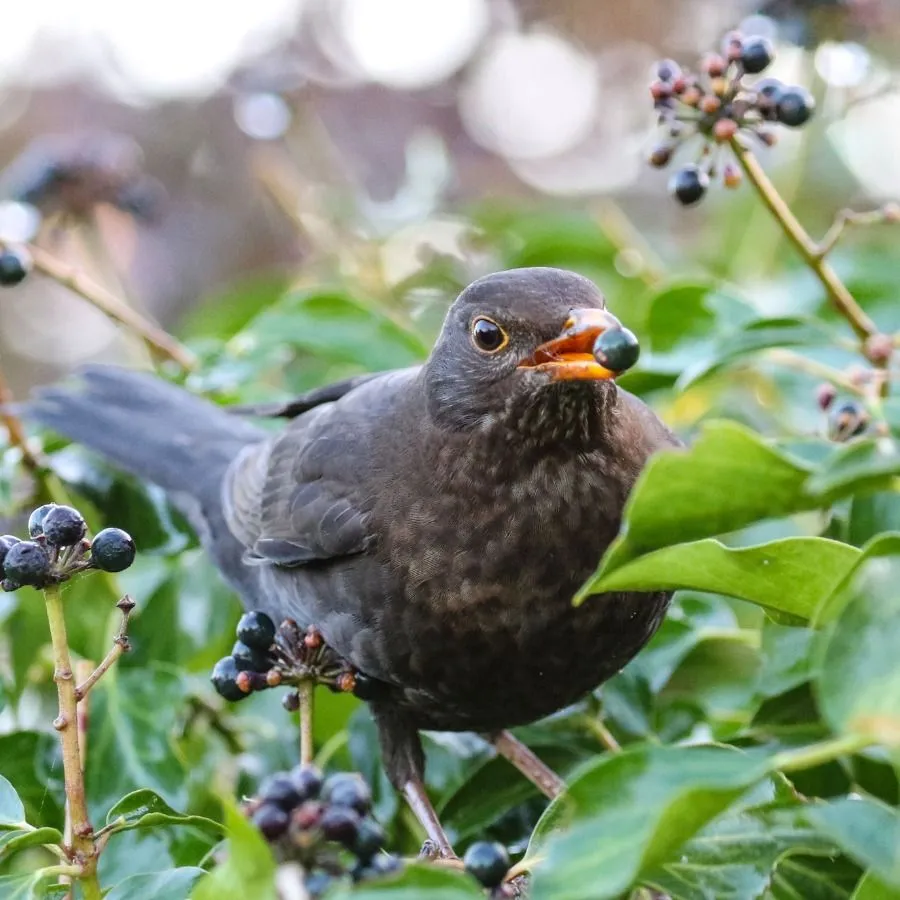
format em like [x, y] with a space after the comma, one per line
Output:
[717, 106]
[58, 549]
[324, 824]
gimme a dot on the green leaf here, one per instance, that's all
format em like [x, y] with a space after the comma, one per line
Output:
[416, 882]
[174, 884]
[862, 464]
[866, 830]
[631, 812]
[811, 566]
[761, 334]
[14, 840]
[12, 812]
[146, 809]
[19, 887]
[249, 869]
[729, 478]
[858, 683]
[873, 888]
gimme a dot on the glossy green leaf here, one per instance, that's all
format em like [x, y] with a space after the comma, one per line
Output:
[146, 809]
[629, 813]
[860, 465]
[19, 887]
[811, 566]
[873, 888]
[416, 882]
[249, 868]
[16, 839]
[12, 811]
[727, 479]
[858, 684]
[174, 884]
[866, 830]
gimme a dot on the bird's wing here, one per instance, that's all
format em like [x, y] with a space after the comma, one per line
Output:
[296, 406]
[303, 497]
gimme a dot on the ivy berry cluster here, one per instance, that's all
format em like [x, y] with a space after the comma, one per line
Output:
[325, 824]
[719, 105]
[58, 549]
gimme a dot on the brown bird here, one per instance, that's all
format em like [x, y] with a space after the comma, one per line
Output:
[433, 523]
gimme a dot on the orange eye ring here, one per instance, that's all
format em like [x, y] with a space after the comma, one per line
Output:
[488, 336]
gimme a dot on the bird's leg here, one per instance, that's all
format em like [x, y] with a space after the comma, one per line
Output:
[527, 762]
[438, 844]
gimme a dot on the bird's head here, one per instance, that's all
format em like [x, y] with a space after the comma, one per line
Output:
[516, 350]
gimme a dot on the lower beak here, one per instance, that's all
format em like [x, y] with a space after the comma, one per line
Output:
[570, 356]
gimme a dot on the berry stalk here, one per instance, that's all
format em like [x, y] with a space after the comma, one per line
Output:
[82, 849]
[837, 292]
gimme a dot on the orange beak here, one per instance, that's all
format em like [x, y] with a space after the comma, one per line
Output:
[570, 357]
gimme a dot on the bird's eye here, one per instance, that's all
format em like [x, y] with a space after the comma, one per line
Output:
[488, 335]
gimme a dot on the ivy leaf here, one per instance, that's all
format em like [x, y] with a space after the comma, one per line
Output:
[16, 839]
[758, 574]
[416, 882]
[19, 887]
[146, 809]
[860, 465]
[873, 888]
[866, 830]
[727, 479]
[12, 811]
[174, 884]
[249, 868]
[629, 813]
[858, 683]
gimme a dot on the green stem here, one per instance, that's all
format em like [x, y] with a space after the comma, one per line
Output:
[66, 724]
[836, 290]
[306, 690]
[823, 752]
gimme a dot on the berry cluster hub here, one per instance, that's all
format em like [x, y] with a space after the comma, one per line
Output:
[721, 106]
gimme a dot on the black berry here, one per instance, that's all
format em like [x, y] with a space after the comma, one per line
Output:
[688, 185]
[256, 630]
[62, 526]
[381, 864]
[112, 550]
[27, 563]
[340, 824]
[770, 88]
[280, 791]
[224, 675]
[36, 519]
[14, 266]
[795, 106]
[317, 883]
[307, 781]
[370, 838]
[756, 54]
[249, 660]
[847, 420]
[667, 69]
[6, 543]
[617, 349]
[487, 862]
[347, 789]
[271, 820]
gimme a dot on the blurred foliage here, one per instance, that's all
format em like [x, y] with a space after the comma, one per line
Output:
[758, 730]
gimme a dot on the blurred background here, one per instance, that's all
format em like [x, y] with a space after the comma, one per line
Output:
[204, 155]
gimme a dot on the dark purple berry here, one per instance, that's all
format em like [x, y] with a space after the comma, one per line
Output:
[348, 789]
[307, 781]
[795, 106]
[291, 701]
[256, 630]
[112, 550]
[688, 185]
[847, 420]
[6, 543]
[769, 88]
[370, 838]
[317, 883]
[36, 519]
[27, 563]
[617, 349]
[224, 679]
[487, 862]
[249, 660]
[271, 820]
[757, 54]
[667, 70]
[14, 266]
[280, 790]
[340, 824]
[63, 526]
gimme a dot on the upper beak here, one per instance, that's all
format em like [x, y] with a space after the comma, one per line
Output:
[570, 356]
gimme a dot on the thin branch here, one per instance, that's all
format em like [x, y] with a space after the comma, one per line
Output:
[528, 763]
[889, 213]
[17, 436]
[306, 691]
[109, 304]
[82, 843]
[120, 645]
[836, 290]
[597, 727]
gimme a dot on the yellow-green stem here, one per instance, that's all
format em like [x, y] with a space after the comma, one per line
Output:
[818, 754]
[306, 691]
[82, 845]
